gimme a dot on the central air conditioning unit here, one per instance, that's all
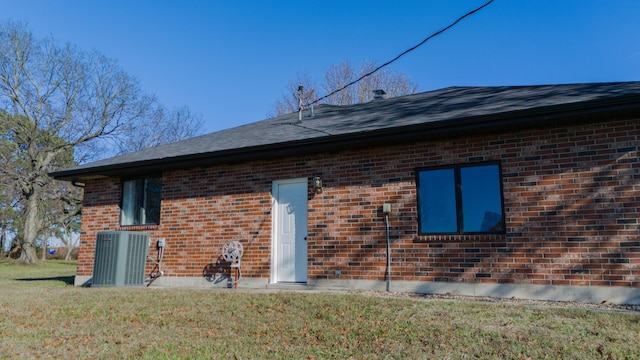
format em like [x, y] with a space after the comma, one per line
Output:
[120, 258]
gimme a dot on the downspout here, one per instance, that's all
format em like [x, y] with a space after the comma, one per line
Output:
[386, 209]
[386, 217]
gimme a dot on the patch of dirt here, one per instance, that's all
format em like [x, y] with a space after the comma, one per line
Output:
[506, 301]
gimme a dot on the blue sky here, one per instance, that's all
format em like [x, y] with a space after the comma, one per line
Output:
[230, 60]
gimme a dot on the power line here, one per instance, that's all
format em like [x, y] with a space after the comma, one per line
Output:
[403, 53]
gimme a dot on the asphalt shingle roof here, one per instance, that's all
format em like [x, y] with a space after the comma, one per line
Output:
[434, 108]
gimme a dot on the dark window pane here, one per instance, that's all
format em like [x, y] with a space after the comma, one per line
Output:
[481, 199]
[437, 201]
[153, 195]
[141, 201]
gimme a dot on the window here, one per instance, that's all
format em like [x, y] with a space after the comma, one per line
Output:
[141, 201]
[463, 199]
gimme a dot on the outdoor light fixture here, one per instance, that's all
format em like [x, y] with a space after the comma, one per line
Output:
[317, 184]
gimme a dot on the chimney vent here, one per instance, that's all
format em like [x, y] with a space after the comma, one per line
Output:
[379, 94]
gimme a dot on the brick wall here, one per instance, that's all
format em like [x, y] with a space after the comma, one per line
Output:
[571, 204]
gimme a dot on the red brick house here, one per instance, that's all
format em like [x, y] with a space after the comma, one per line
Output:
[528, 192]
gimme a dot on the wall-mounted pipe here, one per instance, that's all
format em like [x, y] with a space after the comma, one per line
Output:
[386, 209]
[386, 217]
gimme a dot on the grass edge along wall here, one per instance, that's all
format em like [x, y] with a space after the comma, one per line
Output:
[570, 205]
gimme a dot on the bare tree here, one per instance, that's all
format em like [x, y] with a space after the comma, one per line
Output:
[60, 211]
[68, 240]
[66, 232]
[61, 105]
[394, 84]
[289, 100]
[162, 127]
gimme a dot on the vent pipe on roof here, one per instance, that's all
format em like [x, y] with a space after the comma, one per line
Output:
[300, 89]
[378, 94]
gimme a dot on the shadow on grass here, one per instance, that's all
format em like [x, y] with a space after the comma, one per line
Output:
[65, 279]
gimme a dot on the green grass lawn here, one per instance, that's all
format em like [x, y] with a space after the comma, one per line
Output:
[43, 316]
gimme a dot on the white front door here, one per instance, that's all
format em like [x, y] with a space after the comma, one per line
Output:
[290, 231]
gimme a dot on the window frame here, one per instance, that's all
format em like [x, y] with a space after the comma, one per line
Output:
[459, 201]
[138, 218]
